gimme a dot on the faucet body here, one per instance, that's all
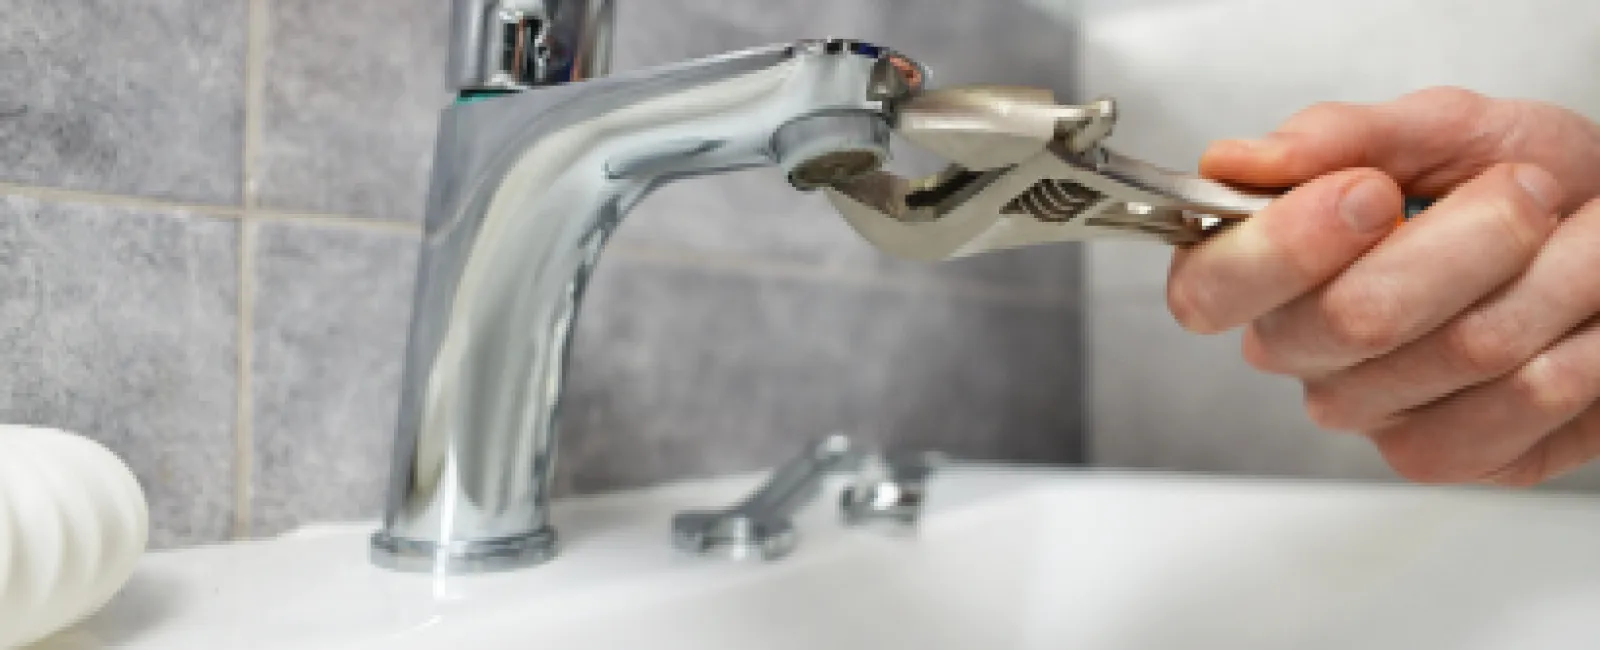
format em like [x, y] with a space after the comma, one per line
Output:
[526, 188]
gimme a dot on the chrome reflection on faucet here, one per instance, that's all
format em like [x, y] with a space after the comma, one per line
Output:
[527, 186]
[523, 44]
[889, 489]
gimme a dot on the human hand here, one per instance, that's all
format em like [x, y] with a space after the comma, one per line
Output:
[1465, 343]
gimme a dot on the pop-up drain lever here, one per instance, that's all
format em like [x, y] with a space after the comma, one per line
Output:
[761, 526]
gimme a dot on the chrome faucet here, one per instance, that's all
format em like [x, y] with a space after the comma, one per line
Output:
[888, 488]
[540, 160]
[535, 167]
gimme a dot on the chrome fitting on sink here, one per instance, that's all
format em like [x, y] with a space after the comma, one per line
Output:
[889, 489]
[761, 526]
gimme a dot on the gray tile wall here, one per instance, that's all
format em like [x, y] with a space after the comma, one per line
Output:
[208, 217]
[118, 323]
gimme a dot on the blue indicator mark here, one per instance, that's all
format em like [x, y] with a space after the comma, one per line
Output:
[1415, 205]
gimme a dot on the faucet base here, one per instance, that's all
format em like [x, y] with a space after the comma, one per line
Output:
[456, 558]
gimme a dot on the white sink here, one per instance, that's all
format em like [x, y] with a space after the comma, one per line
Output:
[1005, 559]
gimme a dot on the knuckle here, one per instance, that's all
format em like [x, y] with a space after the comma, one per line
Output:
[1520, 129]
[1456, 111]
[1258, 351]
[1412, 457]
[1525, 223]
[1457, 120]
[1321, 114]
[1528, 471]
[1484, 346]
[1329, 108]
[1326, 408]
[1590, 209]
[1584, 431]
[1446, 96]
[1549, 385]
[1362, 318]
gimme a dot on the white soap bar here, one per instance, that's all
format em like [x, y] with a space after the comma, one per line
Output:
[73, 523]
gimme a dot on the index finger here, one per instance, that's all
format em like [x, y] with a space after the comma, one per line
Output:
[1297, 243]
[1430, 141]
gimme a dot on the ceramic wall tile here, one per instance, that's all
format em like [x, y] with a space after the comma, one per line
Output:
[120, 325]
[143, 98]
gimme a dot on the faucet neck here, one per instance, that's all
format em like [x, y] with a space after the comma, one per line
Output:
[511, 45]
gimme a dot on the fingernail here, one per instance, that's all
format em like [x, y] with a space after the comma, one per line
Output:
[1368, 206]
[1539, 184]
[1194, 303]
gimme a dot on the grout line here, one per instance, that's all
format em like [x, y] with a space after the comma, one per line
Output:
[244, 334]
[679, 257]
[337, 221]
[255, 91]
[116, 200]
[663, 255]
[243, 427]
[223, 211]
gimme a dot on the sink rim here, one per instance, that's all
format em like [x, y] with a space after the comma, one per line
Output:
[620, 544]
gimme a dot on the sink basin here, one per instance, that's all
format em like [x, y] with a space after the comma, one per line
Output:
[1006, 558]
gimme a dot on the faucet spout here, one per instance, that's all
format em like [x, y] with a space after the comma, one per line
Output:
[527, 187]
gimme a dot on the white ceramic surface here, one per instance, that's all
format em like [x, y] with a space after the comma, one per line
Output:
[73, 523]
[1006, 559]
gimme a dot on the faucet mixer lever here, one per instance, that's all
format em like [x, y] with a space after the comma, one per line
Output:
[510, 45]
[889, 488]
[761, 525]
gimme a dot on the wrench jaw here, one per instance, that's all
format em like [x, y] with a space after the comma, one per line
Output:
[876, 205]
[984, 127]
[1024, 170]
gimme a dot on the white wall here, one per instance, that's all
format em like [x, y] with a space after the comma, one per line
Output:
[1186, 72]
